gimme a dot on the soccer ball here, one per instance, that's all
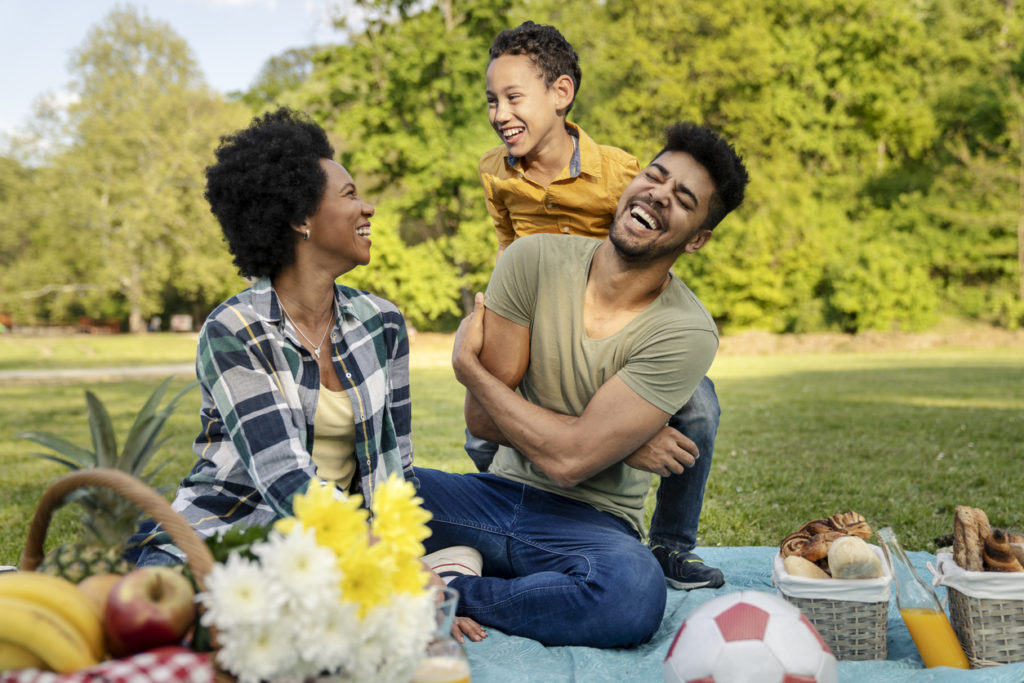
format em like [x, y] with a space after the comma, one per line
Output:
[748, 637]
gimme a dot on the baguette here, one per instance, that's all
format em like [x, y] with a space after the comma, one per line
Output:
[970, 529]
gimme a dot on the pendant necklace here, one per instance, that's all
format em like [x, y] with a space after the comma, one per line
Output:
[316, 349]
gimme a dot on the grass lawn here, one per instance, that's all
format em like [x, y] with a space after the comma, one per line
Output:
[901, 437]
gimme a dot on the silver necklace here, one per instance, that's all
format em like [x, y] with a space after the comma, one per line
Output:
[316, 349]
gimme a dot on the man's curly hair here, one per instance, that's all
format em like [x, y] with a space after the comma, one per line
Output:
[547, 49]
[723, 164]
[267, 178]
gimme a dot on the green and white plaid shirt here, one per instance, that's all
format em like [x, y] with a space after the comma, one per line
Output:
[259, 396]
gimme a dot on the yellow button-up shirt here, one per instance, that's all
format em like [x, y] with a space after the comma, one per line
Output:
[580, 203]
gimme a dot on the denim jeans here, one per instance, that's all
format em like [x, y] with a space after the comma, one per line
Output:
[681, 496]
[555, 569]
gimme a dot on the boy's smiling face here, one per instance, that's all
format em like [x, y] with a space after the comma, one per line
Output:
[526, 114]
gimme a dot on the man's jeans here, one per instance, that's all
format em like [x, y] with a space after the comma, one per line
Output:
[681, 496]
[555, 569]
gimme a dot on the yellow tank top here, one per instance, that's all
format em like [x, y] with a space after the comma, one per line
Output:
[334, 433]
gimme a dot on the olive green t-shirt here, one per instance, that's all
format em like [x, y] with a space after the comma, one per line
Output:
[662, 355]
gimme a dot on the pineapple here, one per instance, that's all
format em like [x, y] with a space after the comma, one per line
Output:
[108, 518]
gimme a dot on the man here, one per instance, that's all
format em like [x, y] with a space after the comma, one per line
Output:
[583, 352]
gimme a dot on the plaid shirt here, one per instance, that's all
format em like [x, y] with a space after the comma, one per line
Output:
[259, 395]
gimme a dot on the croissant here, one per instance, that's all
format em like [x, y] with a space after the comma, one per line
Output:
[793, 544]
[997, 554]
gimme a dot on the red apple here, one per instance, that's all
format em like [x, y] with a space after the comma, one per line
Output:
[148, 607]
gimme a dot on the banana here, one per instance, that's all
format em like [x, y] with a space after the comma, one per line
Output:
[61, 596]
[45, 633]
[17, 657]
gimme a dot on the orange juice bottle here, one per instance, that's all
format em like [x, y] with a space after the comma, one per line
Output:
[921, 611]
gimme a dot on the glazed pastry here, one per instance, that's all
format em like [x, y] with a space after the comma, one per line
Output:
[851, 523]
[997, 554]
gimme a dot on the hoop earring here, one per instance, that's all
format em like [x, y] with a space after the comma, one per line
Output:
[306, 236]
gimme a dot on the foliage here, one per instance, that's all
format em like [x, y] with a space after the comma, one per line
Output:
[884, 141]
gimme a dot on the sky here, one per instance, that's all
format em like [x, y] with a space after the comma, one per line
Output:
[230, 40]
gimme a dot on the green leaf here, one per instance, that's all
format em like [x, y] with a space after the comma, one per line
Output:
[70, 451]
[102, 429]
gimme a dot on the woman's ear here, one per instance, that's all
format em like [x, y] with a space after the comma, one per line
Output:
[303, 229]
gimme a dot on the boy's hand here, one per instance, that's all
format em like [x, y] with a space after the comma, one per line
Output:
[469, 627]
[668, 452]
[469, 339]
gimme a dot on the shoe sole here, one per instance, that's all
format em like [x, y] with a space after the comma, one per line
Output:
[680, 586]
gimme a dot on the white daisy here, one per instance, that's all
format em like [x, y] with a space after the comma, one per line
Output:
[308, 571]
[239, 592]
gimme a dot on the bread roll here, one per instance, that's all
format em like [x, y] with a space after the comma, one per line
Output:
[850, 557]
[997, 556]
[798, 566]
[970, 529]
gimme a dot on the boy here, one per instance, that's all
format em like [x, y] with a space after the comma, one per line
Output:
[548, 176]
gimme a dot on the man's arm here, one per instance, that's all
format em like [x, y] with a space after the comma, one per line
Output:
[615, 423]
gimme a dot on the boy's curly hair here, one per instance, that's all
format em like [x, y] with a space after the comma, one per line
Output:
[267, 178]
[723, 163]
[548, 49]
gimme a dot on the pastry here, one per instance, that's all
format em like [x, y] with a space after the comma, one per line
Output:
[850, 557]
[970, 528]
[997, 555]
[817, 546]
[798, 566]
[851, 523]
[1018, 551]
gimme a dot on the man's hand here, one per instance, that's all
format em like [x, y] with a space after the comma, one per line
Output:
[469, 339]
[668, 452]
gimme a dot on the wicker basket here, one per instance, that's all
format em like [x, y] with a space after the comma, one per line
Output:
[852, 615]
[991, 631]
[198, 556]
[853, 630]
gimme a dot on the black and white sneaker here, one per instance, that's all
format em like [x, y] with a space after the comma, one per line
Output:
[685, 570]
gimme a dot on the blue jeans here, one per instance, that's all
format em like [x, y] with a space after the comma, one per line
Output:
[555, 569]
[681, 496]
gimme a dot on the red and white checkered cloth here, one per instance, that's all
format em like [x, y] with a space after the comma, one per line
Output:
[164, 664]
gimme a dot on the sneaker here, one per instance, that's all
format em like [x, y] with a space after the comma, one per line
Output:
[455, 561]
[685, 570]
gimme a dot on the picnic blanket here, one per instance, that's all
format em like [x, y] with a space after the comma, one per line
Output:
[501, 658]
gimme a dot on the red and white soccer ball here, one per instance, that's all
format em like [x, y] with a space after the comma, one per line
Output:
[749, 637]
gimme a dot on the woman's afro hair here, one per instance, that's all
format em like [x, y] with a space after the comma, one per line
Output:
[267, 179]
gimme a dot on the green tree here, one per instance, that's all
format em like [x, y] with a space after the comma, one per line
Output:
[405, 100]
[137, 137]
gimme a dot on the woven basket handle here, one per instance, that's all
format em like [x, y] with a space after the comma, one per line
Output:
[198, 556]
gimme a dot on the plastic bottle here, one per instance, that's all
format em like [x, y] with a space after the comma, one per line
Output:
[921, 611]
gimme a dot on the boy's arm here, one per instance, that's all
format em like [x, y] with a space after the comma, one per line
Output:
[499, 213]
[615, 423]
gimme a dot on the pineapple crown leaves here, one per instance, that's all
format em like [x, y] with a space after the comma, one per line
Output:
[141, 443]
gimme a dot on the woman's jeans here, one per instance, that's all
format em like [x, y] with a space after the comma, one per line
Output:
[680, 496]
[555, 569]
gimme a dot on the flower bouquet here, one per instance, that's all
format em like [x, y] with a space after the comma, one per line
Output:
[327, 593]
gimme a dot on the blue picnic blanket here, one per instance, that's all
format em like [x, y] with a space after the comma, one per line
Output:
[502, 659]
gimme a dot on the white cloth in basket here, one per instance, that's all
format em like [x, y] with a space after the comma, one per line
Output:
[854, 590]
[978, 585]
